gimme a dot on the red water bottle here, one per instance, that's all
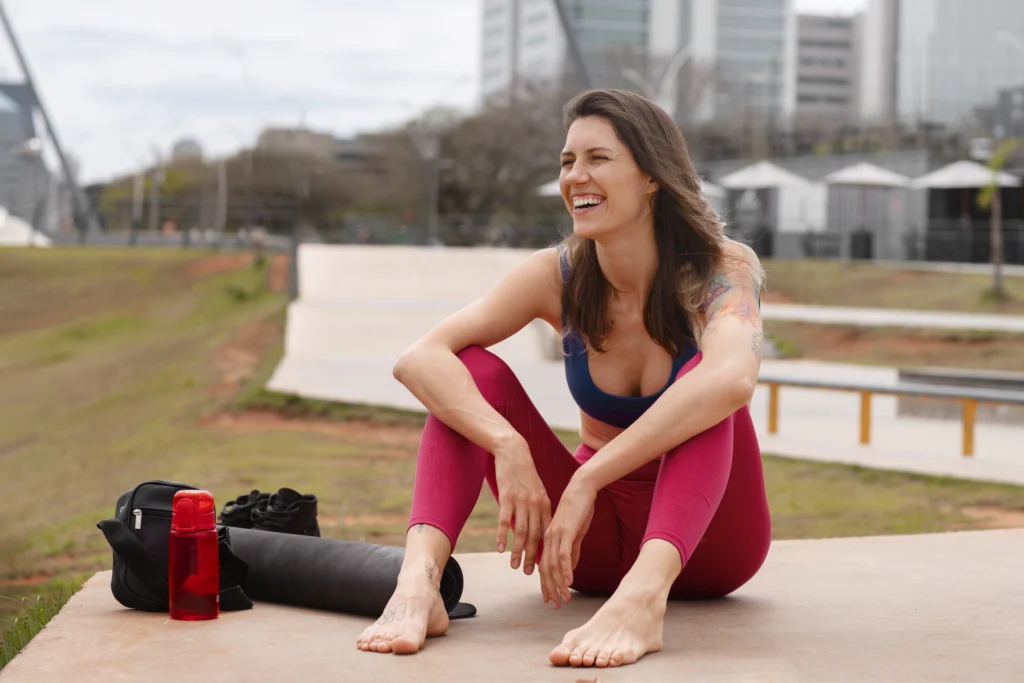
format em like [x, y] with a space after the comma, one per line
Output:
[194, 563]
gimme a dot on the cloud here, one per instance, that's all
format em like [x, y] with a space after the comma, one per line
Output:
[224, 97]
[119, 76]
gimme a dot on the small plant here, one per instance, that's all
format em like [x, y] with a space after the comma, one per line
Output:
[38, 613]
[997, 296]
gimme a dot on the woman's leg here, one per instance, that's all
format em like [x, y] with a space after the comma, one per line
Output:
[728, 550]
[708, 532]
[450, 471]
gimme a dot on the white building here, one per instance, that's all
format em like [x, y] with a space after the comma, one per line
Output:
[878, 61]
[747, 44]
[523, 40]
[828, 69]
[26, 185]
[937, 60]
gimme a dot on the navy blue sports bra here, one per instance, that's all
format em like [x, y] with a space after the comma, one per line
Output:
[617, 411]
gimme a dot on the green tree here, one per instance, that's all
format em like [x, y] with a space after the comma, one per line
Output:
[990, 199]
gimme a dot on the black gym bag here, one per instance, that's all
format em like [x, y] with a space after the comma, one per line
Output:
[139, 534]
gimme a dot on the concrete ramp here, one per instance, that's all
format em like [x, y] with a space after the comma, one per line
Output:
[366, 302]
[944, 607]
[400, 274]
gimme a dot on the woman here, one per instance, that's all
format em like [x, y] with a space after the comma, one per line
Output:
[662, 336]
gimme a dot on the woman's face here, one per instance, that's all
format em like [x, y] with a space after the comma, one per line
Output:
[603, 187]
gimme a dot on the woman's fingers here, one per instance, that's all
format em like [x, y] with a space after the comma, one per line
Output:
[504, 520]
[522, 517]
[533, 538]
[576, 553]
[547, 565]
[565, 560]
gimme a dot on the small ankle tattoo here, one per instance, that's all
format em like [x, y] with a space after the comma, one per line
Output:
[432, 573]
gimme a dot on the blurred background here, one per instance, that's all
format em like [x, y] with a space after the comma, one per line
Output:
[412, 122]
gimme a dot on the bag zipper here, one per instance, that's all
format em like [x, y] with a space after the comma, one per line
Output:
[137, 513]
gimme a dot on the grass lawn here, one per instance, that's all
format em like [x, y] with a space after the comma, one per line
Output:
[118, 366]
[898, 348]
[837, 283]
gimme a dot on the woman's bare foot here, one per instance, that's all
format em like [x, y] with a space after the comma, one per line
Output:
[626, 628]
[631, 623]
[414, 612]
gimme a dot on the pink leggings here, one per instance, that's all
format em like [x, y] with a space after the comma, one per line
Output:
[706, 496]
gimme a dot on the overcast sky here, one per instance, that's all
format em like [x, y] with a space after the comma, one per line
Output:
[120, 76]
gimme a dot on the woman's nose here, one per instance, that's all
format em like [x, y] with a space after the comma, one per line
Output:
[576, 174]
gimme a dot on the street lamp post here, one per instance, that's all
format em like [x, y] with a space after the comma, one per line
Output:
[1011, 40]
[665, 93]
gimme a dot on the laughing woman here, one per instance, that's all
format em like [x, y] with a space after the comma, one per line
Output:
[659, 316]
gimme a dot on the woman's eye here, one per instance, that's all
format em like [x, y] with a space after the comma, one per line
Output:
[566, 163]
[601, 158]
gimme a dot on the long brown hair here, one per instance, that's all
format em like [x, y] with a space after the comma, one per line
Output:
[689, 234]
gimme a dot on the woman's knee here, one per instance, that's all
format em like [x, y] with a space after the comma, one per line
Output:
[489, 372]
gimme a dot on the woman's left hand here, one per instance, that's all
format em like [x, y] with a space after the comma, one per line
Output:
[562, 540]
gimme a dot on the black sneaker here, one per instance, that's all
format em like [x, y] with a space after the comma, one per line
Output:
[238, 512]
[287, 511]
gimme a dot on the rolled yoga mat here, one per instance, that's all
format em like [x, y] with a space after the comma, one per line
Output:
[330, 574]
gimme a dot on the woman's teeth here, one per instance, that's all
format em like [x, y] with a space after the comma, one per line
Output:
[584, 203]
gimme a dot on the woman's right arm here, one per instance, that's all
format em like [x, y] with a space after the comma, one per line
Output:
[430, 370]
[434, 374]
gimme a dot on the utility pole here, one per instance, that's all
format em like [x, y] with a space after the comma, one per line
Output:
[137, 192]
[154, 194]
[582, 72]
[221, 220]
[85, 216]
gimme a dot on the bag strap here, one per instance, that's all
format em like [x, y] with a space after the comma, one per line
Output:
[233, 571]
[130, 549]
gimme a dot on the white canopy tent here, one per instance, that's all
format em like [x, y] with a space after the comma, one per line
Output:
[14, 232]
[763, 175]
[964, 175]
[785, 201]
[867, 175]
[866, 206]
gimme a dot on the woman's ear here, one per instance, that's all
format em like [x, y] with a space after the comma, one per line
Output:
[652, 186]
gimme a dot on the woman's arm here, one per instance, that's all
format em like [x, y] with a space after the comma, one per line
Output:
[430, 370]
[721, 384]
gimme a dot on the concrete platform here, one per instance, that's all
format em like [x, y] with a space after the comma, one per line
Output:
[944, 607]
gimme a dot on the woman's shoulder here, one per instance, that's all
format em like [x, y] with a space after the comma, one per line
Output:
[737, 258]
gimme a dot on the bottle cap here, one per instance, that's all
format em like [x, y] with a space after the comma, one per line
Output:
[193, 511]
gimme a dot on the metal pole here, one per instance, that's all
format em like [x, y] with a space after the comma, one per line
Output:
[154, 204]
[435, 197]
[222, 201]
[80, 199]
[574, 47]
[137, 191]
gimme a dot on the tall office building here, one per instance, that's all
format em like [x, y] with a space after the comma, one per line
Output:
[523, 41]
[742, 49]
[828, 69]
[954, 56]
[877, 91]
[939, 60]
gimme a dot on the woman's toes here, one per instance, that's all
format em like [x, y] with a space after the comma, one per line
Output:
[561, 655]
[589, 657]
[602, 658]
[576, 658]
